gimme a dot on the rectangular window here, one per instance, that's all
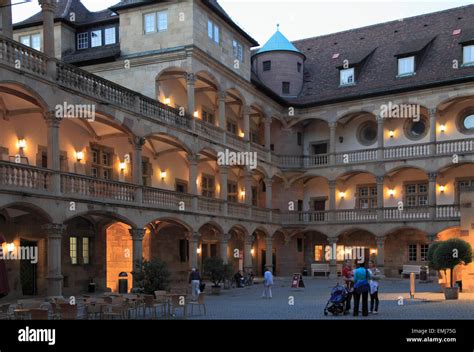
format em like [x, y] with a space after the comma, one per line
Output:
[298, 67]
[82, 41]
[416, 194]
[254, 137]
[285, 87]
[73, 249]
[162, 21]
[424, 252]
[318, 253]
[367, 197]
[183, 251]
[101, 165]
[468, 54]
[299, 245]
[208, 117]
[238, 50]
[207, 186]
[110, 36]
[231, 127]
[299, 138]
[31, 40]
[460, 185]
[85, 250]
[412, 257]
[267, 65]
[213, 31]
[150, 22]
[96, 38]
[181, 186]
[347, 77]
[232, 191]
[406, 66]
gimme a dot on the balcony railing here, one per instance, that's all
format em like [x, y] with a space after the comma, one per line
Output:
[167, 199]
[210, 131]
[407, 151]
[90, 187]
[238, 210]
[356, 156]
[23, 176]
[210, 205]
[356, 215]
[448, 211]
[457, 146]
[22, 57]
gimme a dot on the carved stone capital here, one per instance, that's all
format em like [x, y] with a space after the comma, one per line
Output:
[137, 234]
[51, 119]
[54, 230]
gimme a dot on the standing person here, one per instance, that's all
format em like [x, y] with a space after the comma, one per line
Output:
[374, 287]
[267, 283]
[361, 288]
[348, 277]
[195, 280]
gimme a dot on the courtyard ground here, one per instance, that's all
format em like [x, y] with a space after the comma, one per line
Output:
[309, 303]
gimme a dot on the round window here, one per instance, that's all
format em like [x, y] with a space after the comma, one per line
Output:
[416, 130]
[468, 123]
[367, 133]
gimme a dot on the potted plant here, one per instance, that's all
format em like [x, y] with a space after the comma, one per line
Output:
[215, 270]
[446, 256]
[154, 276]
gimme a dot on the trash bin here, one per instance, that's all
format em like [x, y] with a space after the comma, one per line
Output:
[305, 272]
[91, 288]
[123, 282]
[423, 273]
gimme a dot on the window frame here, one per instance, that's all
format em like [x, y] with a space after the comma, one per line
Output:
[213, 31]
[285, 88]
[206, 190]
[417, 194]
[341, 75]
[410, 247]
[238, 50]
[30, 40]
[267, 65]
[99, 165]
[156, 22]
[471, 47]
[403, 59]
[232, 196]
[73, 250]
[86, 249]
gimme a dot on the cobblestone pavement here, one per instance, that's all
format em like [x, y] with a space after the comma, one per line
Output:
[309, 303]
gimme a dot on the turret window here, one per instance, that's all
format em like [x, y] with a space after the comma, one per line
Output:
[267, 65]
[285, 87]
[298, 67]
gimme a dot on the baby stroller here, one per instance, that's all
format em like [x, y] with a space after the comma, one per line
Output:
[337, 302]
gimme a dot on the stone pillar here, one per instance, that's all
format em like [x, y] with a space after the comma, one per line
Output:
[248, 262]
[432, 115]
[333, 262]
[269, 253]
[54, 234]
[190, 82]
[246, 117]
[137, 167]
[432, 194]
[192, 180]
[221, 96]
[268, 132]
[268, 193]
[380, 261]
[137, 257]
[7, 23]
[380, 137]
[49, 7]
[332, 142]
[193, 239]
[248, 187]
[380, 197]
[54, 155]
[332, 199]
[224, 171]
[224, 247]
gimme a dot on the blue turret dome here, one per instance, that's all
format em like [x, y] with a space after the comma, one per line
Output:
[278, 42]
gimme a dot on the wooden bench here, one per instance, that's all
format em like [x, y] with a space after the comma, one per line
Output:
[320, 268]
[408, 269]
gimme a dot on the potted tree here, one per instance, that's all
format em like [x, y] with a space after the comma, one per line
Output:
[153, 276]
[215, 270]
[446, 256]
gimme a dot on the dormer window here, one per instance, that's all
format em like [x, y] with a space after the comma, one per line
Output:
[347, 76]
[406, 66]
[96, 38]
[468, 55]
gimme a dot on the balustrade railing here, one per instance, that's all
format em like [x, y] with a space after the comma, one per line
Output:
[23, 176]
[407, 151]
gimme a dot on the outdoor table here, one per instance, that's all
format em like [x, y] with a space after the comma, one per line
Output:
[22, 313]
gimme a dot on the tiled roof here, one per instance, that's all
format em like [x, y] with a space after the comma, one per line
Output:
[64, 9]
[278, 42]
[431, 36]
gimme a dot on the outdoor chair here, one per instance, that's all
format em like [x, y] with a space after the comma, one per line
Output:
[5, 313]
[68, 311]
[176, 303]
[151, 304]
[200, 303]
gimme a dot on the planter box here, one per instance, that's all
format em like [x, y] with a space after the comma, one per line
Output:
[451, 293]
[215, 290]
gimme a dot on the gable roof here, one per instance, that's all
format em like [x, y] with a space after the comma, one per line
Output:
[64, 9]
[430, 37]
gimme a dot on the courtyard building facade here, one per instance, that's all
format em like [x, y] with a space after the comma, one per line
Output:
[114, 124]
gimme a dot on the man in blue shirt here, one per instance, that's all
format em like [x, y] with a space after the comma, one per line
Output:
[267, 283]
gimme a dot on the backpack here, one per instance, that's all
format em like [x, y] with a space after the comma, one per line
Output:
[363, 286]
